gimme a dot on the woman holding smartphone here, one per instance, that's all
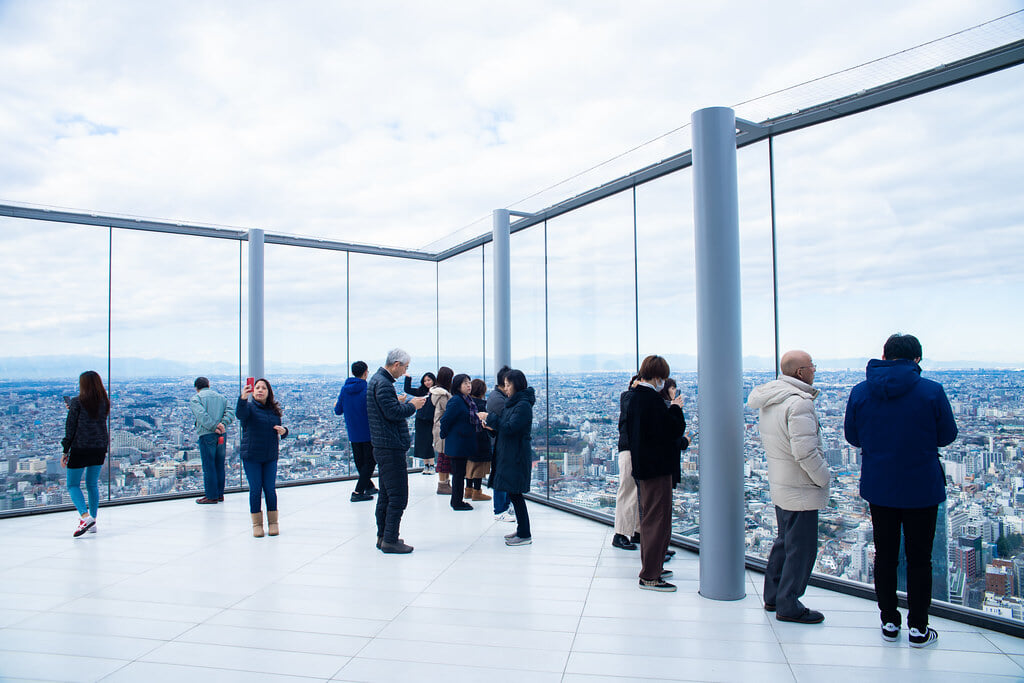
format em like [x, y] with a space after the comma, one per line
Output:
[459, 426]
[85, 445]
[261, 432]
[440, 393]
[514, 454]
[423, 443]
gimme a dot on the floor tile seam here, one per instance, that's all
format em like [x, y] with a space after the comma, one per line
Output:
[985, 635]
[900, 647]
[220, 668]
[438, 641]
[405, 658]
[887, 672]
[579, 620]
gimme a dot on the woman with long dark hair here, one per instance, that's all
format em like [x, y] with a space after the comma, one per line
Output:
[261, 434]
[479, 463]
[423, 442]
[514, 455]
[85, 443]
[459, 426]
[440, 393]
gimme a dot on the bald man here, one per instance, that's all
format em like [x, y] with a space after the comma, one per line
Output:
[798, 478]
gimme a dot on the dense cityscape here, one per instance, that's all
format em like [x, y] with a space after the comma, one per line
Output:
[979, 551]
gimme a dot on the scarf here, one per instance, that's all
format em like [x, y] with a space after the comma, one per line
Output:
[474, 419]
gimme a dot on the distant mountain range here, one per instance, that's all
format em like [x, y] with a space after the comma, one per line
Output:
[55, 367]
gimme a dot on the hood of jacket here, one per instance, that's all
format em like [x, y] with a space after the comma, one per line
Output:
[354, 385]
[778, 391]
[892, 378]
[527, 394]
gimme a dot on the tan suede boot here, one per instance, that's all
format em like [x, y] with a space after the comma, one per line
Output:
[468, 494]
[257, 524]
[272, 528]
[478, 494]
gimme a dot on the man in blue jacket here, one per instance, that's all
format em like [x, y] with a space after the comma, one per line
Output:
[899, 420]
[352, 404]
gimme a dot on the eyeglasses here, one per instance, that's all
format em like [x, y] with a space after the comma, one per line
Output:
[812, 366]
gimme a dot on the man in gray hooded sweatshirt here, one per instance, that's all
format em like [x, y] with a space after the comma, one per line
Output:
[798, 478]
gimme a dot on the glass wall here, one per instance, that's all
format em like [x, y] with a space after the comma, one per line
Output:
[306, 356]
[912, 223]
[460, 312]
[174, 315]
[53, 326]
[667, 311]
[530, 337]
[393, 303]
[592, 345]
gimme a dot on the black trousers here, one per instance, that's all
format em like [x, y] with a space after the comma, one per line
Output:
[791, 560]
[917, 526]
[362, 455]
[394, 491]
[458, 480]
[522, 516]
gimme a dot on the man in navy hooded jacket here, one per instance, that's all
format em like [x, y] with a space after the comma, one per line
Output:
[352, 404]
[899, 420]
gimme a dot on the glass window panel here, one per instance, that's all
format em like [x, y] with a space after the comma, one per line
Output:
[393, 303]
[592, 344]
[667, 311]
[460, 317]
[529, 337]
[174, 316]
[53, 326]
[305, 347]
[909, 218]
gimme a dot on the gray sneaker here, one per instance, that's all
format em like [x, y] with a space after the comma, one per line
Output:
[515, 540]
[509, 537]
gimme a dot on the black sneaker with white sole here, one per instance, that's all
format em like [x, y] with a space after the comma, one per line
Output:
[890, 632]
[657, 585]
[919, 639]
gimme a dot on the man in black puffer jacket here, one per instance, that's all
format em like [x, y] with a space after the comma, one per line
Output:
[389, 434]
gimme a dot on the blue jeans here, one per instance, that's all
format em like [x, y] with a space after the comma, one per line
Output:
[262, 477]
[212, 455]
[501, 501]
[92, 485]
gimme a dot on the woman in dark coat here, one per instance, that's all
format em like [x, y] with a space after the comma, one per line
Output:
[85, 445]
[459, 425]
[479, 465]
[514, 456]
[261, 433]
[655, 429]
[423, 443]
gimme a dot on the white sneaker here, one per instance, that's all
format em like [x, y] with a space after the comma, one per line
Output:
[84, 524]
[92, 529]
[506, 516]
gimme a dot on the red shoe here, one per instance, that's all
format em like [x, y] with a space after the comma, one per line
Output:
[84, 524]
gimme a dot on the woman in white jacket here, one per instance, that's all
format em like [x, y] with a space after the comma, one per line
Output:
[798, 478]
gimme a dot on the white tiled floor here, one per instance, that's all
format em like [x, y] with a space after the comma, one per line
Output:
[174, 591]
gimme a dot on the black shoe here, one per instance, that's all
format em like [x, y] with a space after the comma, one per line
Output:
[380, 540]
[206, 501]
[919, 639]
[890, 632]
[620, 541]
[359, 497]
[808, 616]
[657, 585]
[670, 553]
[769, 607]
[459, 507]
[635, 538]
[372, 490]
[397, 548]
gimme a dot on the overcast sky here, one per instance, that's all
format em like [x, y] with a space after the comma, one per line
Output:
[402, 122]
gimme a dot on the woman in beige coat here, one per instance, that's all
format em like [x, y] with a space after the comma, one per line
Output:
[439, 395]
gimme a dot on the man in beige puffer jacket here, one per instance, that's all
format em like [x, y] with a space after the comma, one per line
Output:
[798, 478]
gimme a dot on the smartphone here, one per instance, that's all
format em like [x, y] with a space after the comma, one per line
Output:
[67, 401]
[250, 383]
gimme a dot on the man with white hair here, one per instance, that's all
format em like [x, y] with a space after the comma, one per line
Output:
[389, 434]
[798, 478]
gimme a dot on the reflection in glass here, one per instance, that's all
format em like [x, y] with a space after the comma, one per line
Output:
[53, 326]
[460, 312]
[174, 316]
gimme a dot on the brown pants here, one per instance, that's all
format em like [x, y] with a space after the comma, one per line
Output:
[656, 525]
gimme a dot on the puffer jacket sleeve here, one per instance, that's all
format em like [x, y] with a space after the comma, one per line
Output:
[71, 424]
[806, 443]
[945, 423]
